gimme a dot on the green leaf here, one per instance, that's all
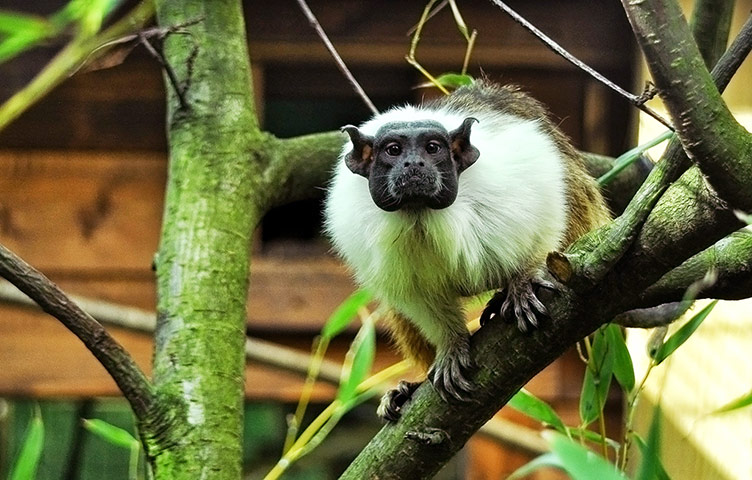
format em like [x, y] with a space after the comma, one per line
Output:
[677, 339]
[12, 23]
[111, 433]
[740, 402]
[651, 467]
[546, 460]
[592, 436]
[597, 379]
[744, 217]
[345, 314]
[358, 361]
[454, 80]
[535, 408]
[627, 158]
[623, 368]
[579, 462]
[30, 454]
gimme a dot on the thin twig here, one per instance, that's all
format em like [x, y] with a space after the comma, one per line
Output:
[132, 382]
[337, 59]
[636, 100]
[159, 56]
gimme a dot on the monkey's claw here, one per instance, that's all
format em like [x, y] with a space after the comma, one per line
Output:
[518, 302]
[447, 373]
[390, 407]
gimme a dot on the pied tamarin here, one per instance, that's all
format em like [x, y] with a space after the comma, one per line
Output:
[456, 197]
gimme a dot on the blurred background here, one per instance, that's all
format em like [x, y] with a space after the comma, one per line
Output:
[82, 177]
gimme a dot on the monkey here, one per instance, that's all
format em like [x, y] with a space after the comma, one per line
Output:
[461, 195]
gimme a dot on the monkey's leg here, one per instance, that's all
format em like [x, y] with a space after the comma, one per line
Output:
[452, 361]
[518, 301]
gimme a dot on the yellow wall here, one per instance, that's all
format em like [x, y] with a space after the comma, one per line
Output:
[713, 367]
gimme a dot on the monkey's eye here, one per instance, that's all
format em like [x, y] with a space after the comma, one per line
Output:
[393, 149]
[433, 147]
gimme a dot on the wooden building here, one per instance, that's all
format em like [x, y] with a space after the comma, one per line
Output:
[82, 177]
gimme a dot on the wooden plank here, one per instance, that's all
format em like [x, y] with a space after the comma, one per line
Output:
[82, 210]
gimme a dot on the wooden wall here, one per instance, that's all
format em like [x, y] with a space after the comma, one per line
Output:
[82, 173]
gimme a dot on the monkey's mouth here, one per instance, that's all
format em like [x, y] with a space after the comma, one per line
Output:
[414, 186]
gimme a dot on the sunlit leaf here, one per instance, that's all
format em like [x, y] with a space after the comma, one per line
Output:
[110, 433]
[623, 368]
[345, 314]
[532, 406]
[594, 437]
[740, 402]
[579, 462]
[744, 217]
[358, 361]
[680, 336]
[28, 458]
[550, 460]
[626, 159]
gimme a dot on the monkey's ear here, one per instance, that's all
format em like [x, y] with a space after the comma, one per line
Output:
[464, 153]
[358, 160]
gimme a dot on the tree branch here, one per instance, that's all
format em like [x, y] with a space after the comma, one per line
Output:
[122, 368]
[708, 131]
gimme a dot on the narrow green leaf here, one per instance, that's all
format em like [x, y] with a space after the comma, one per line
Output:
[677, 339]
[740, 402]
[535, 408]
[597, 379]
[623, 368]
[579, 462]
[454, 80]
[110, 433]
[627, 158]
[12, 23]
[651, 467]
[592, 436]
[358, 362]
[30, 454]
[345, 313]
[550, 460]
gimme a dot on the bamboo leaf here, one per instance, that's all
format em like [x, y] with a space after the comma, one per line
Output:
[592, 436]
[651, 467]
[454, 80]
[623, 368]
[30, 454]
[532, 406]
[12, 23]
[740, 402]
[579, 462]
[358, 361]
[677, 339]
[112, 434]
[345, 313]
[629, 157]
[597, 379]
[546, 460]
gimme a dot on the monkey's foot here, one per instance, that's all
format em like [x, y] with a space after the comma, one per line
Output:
[390, 407]
[518, 301]
[447, 373]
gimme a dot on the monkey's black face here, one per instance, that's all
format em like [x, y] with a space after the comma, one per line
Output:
[412, 165]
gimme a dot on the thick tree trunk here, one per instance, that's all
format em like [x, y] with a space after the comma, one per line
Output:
[203, 259]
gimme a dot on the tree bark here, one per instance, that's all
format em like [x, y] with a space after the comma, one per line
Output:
[212, 205]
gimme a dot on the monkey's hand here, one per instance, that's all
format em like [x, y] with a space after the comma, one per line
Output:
[390, 407]
[518, 301]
